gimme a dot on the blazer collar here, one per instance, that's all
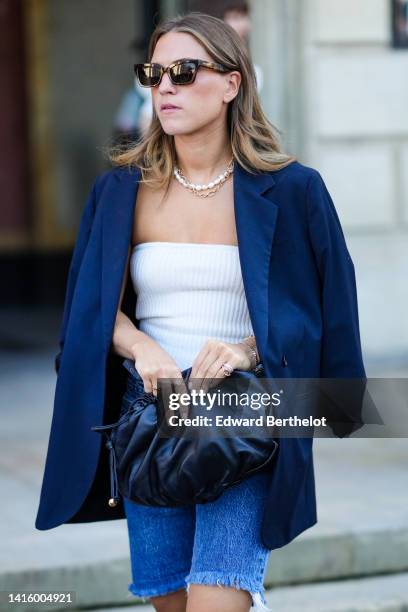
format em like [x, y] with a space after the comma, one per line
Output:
[255, 217]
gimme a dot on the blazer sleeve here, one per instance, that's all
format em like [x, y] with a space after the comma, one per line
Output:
[84, 231]
[341, 355]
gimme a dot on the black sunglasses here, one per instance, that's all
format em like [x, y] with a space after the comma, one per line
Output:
[181, 72]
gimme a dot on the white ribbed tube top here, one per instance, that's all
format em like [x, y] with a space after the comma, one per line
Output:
[189, 292]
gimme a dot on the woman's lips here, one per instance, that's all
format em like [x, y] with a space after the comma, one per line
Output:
[169, 109]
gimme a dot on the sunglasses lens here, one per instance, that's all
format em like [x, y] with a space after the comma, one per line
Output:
[148, 75]
[183, 73]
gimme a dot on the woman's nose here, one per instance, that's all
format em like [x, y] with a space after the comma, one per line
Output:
[166, 84]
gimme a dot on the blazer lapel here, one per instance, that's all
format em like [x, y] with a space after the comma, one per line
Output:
[255, 218]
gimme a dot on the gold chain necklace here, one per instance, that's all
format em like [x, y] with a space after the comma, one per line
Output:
[205, 191]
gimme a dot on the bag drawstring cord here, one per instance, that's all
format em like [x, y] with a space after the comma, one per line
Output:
[114, 498]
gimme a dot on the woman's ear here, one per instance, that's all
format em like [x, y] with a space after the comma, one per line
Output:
[233, 81]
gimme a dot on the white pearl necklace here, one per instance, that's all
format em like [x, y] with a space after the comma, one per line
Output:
[204, 190]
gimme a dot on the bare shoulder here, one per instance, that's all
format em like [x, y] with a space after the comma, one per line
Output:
[146, 193]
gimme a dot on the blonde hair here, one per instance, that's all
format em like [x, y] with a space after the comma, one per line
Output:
[254, 139]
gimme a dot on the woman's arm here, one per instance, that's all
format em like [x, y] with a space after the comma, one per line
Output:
[151, 360]
[126, 337]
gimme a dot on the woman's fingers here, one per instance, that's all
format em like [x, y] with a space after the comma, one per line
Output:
[152, 375]
[209, 367]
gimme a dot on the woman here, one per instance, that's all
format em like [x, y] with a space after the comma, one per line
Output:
[156, 277]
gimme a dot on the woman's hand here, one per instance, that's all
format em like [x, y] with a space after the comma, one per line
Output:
[207, 368]
[153, 362]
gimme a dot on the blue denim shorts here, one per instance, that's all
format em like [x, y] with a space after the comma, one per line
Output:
[216, 543]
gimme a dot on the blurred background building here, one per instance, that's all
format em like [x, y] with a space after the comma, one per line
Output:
[334, 80]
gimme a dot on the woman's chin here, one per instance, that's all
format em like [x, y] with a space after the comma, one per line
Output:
[175, 130]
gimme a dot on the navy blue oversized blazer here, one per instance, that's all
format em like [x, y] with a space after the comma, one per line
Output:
[299, 282]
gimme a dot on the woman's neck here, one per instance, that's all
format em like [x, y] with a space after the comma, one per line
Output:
[202, 158]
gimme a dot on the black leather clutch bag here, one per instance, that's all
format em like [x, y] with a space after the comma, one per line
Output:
[152, 469]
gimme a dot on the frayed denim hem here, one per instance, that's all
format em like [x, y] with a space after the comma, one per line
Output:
[176, 584]
[237, 581]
